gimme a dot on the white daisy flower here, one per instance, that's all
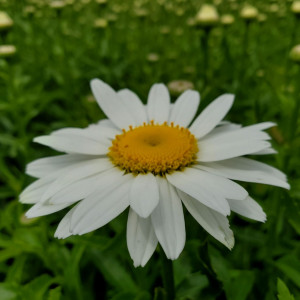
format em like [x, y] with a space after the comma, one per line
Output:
[148, 158]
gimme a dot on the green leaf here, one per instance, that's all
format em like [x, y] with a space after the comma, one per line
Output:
[15, 272]
[8, 291]
[240, 284]
[9, 253]
[160, 294]
[72, 278]
[113, 271]
[133, 296]
[55, 294]
[237, 283]
[30, 240]
[283, 291]
[37, 288]
[192, 286]
[295, 188]
[290, 266]
[182, 268]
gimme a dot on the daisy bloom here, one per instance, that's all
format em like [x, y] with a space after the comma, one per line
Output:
[150, 159]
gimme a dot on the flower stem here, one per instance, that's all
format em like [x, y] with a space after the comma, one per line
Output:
[295, 114]
[167, 276]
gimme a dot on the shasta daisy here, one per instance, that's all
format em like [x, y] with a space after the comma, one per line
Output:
[150, 159]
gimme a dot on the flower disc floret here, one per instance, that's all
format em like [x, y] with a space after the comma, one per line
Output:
[154, 148]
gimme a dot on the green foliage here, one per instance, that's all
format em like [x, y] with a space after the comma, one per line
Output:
[283, 291]
[45, 86]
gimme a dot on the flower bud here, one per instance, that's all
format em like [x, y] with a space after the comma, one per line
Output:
[153, 57]
[261, 18]
[295, 8]
[295, 54]
[176, 87]
[5, 21]
[101, 2]
[100, 23]
[227, 19]
[249, 12]
[207, 16]
[26, 221]
[57, 5]
[7, 50]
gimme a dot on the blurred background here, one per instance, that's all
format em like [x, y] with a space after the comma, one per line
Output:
[50, 50]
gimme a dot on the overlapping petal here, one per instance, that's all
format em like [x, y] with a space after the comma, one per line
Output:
[141, 239]
[63, 229]
[44, 166]
[112, 105]
[43, 209]
[246, 169]
[135, 106]
[101, 206]
[213, 222]
[144, 194]
[168, 220]
[73, 144]
[212, 115]
[207, 188]
[248, 208]
[185, 108]
[75, 173]
[233, 143]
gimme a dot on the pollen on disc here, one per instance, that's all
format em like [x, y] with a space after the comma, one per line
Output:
[154, 148]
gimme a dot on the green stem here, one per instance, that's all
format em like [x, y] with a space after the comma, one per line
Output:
[295, 114]
[206, 58]
[292, 126]
[167, 276]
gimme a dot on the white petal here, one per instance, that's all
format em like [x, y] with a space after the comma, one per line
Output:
[246, 133]
[185, 108]
[223, 186]
[102, 206]
[214, 150]
[107, 123]
[77, 172]
[253, 130]
[79, 189]
[41, 209]
[102, 133]
[141, 239]
[265, 151]
[261, 126]
[44, 166]
[201, 186]
[248, 208]
[168, 220]
[158, 106]
[144, 195]
[94, 132]
[63, 229]
[135, 106]
[213, 222]
[111, 104]
[222, 129]
[212, 115]
[73, 144]
[34, 192]
[246, 169]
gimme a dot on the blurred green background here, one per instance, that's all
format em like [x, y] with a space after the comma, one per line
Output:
[58, 47]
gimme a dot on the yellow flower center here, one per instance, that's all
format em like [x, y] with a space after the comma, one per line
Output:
[158, 149]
